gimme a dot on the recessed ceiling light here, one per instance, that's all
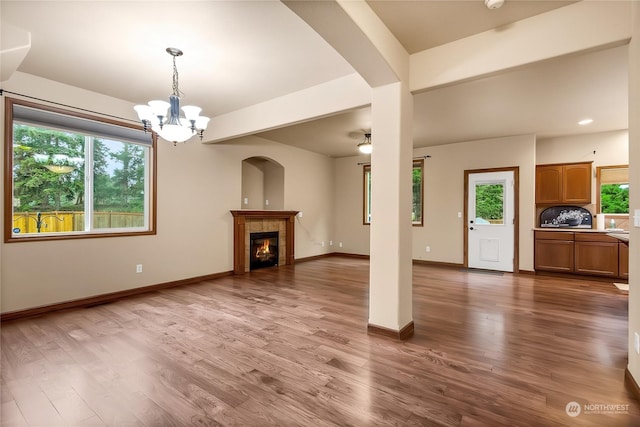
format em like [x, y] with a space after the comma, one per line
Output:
[493, 4]
[585, 122]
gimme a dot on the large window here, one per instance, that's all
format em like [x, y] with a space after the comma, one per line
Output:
[73, 175]
[417, 209]
[612, 183]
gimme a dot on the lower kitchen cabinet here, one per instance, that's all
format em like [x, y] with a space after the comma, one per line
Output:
[587, 253]
[597, 258]
[623, 260]
[554, 251]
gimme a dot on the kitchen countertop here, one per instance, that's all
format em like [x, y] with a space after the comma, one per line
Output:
[623, 237]
[580, 230]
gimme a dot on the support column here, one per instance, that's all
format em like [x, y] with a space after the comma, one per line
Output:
[390, 276]
[633, 368]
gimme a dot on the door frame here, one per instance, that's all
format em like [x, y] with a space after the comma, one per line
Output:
[516, 212]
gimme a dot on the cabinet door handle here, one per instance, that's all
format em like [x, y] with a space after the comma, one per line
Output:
[470, 228]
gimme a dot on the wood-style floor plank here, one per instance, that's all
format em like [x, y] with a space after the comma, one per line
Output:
[288, 346]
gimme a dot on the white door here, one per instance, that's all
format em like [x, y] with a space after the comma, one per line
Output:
[490, 217]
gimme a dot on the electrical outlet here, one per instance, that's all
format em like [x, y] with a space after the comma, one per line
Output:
[246, 200]
[266, 202]
[427, 249]
[322, 244]
[340, 244]
[636, 342]
[459, 214]
[138, 268]
[330, 242]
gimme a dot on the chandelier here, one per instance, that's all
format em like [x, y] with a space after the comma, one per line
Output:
[172, 127]
[365, 146]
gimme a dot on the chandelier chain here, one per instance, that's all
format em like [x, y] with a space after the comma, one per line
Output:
[176, 90]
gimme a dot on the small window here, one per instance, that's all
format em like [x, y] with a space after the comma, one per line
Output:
[417, 209]
[74, 175]
[418, 191]
[367, 194]
[490, 203]
[612, 183]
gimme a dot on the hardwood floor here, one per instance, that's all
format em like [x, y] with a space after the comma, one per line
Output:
[288, 347]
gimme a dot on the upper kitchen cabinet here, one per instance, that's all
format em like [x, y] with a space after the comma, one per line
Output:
[566, 183]
[549, 184]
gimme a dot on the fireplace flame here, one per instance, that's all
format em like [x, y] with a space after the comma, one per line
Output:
[263, 251]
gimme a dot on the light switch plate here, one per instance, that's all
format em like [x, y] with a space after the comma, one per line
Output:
[636, 218]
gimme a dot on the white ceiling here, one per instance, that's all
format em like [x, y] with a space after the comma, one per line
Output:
[236, 53]
[239, 53]
[420, 25]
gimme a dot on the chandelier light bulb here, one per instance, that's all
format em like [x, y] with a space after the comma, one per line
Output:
[191, 112]
[159, 108]
[202, 121]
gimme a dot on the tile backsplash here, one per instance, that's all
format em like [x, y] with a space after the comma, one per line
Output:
[622, 221]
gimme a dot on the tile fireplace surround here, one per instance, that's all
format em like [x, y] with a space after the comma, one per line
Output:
[246, 222]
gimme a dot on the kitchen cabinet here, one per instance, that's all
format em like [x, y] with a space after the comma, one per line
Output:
[549, 184]
[586, 253]
[623, 260]
[596, 255]
[554, 251]
[566, 183]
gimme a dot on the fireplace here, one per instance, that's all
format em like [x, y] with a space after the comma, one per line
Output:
[263, 250]
[247, 222]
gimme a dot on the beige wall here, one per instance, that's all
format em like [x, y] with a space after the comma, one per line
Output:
[443, 231]
[262, 184]
[611, 148]
[444, 197]
[349, 203]
[273, 186]
[252, 185]
[208, 179]
[197, 186]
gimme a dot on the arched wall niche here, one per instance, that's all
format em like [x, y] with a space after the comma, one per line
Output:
[262, 184]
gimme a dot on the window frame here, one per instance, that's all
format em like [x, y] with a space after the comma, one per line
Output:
[9, 237]
[599, 190]
[366, 195]
[502, 183]
[420, 164]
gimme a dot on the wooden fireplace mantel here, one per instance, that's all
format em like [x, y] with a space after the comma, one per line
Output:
[240, 219]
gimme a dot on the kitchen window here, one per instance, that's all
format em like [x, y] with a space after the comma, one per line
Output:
[612, 184]
[71, 175]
